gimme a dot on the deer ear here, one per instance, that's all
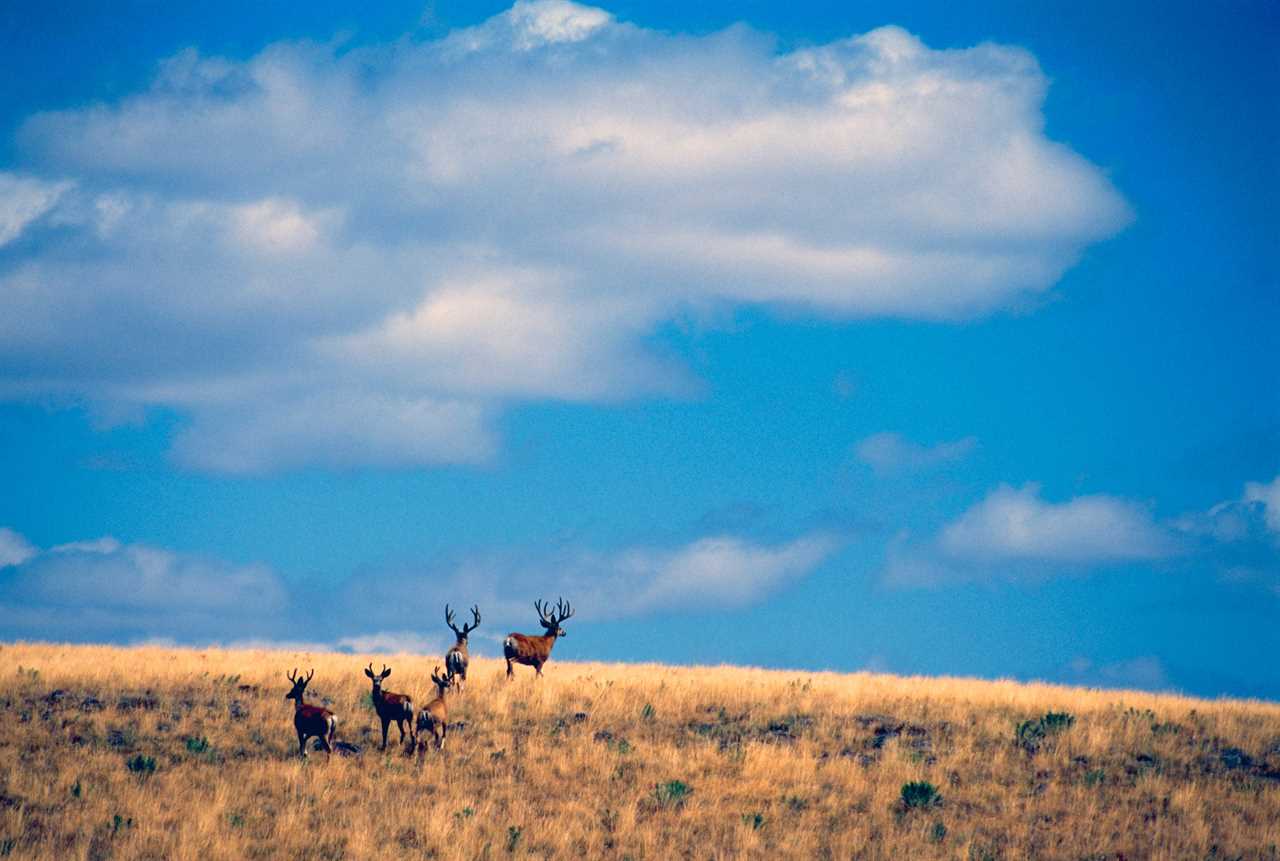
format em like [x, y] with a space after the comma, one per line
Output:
[368, 673]
[386, 673]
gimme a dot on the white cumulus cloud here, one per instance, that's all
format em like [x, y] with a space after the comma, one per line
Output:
[301, 250]
[1015, 534]
[1016, 524]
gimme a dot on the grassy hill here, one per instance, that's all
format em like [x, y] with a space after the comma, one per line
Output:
[177, 754]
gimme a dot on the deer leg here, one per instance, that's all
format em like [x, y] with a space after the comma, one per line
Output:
[302, 744]
[510, 673]
[537, 666]
[386, 724]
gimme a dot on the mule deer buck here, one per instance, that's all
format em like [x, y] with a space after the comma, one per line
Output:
[310, 721]
[536, 651]
[390, 707]
[455, 661]
[434, 716]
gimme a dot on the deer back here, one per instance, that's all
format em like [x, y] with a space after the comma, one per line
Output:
[528, 647]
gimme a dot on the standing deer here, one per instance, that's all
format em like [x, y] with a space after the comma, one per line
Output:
[536, 651]
[390, 707]
[310, 721]
[455, 661]
[434, 716]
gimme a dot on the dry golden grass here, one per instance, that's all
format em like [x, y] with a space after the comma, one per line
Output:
[581, 764]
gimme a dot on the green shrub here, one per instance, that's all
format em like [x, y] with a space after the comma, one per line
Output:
[1031, 734]
[1054, 722]
[197, 745]
[140, 764]
[920, 793]
[672, 793]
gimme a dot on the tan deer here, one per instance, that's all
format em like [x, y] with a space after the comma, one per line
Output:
[310, 721]
[536, 651]
[390, 707]
[455, 661]
[434, 716]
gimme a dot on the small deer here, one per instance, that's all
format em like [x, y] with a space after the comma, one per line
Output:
[390, 707]
[455, 661]
[310, 721]
[536, 651]
[434, 716]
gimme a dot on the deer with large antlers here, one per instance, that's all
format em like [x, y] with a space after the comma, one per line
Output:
[455, 661]
[390, 707]
[310, 721]
[536, 651]
[434, 716]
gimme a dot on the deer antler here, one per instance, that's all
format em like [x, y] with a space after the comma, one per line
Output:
[310, 676]
[537, 605]
[563, 610]
[448, 620]
[293, 676]
[475, 612]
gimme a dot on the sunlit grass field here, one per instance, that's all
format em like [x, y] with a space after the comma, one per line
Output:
[181, 754]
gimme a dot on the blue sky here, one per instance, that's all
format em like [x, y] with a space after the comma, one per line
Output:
[939, 340]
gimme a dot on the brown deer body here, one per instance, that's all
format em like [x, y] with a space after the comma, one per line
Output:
[390, 707]
[310, 721]
[536, 651]
[455, 661]
[434, 716]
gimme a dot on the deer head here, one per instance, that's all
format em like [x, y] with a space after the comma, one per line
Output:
[442, 682]
[377, 678]
[551, 619]
[299, 684]
[466, 629]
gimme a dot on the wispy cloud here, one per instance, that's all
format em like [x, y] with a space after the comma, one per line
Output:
[104, 589]
[1241, 535]
[891, 453]
[1146, 673]
[24, 200]
[360, 256]
[14, 549]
